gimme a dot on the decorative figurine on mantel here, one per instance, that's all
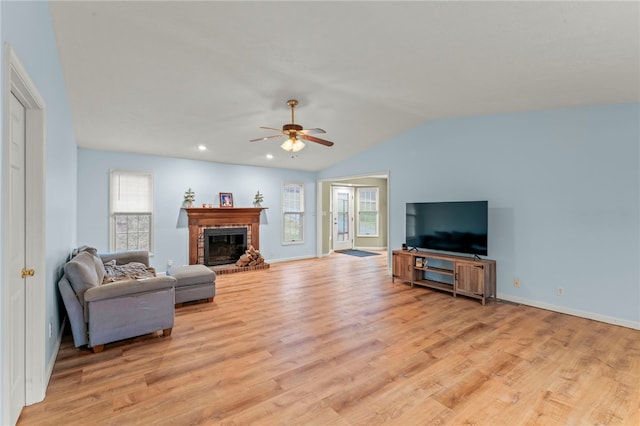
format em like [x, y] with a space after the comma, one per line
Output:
[189, 198]
[258, 199]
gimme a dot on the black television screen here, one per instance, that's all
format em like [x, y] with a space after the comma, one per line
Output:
[454, 226]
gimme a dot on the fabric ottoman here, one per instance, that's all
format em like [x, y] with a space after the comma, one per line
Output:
[193, 282]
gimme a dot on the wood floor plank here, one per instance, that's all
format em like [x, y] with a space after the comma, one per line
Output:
[333, 341]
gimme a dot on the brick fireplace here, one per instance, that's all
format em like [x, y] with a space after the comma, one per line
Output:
[218, 218]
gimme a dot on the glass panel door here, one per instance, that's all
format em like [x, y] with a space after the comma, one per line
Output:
[342, 218]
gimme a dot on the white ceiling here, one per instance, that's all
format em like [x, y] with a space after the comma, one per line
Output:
[162, 77]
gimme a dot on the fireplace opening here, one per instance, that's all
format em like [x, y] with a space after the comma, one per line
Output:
[224, 245]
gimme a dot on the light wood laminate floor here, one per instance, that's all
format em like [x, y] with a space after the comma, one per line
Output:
[332, 341]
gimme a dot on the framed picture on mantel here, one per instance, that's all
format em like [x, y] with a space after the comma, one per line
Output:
[226, 199]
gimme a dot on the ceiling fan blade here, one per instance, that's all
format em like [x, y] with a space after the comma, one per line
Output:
[270, 128]
[267, 137]
[309, 131]
[317, 140]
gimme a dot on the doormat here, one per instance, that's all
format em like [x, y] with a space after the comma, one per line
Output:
[358, 253]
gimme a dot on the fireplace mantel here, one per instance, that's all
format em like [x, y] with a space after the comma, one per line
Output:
[210, 217]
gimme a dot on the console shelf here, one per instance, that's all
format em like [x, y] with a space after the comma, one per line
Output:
[454, 274]
[436, 270]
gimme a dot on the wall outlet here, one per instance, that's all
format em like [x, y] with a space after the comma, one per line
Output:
[560, 291]
[169, 263]
[516, 282]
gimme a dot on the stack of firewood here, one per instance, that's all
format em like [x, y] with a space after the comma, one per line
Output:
[251, 257]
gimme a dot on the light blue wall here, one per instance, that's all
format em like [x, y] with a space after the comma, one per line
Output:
[27, 27]
[172, 177]
[564, 199]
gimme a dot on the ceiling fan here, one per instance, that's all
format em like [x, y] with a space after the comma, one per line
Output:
[295, 132]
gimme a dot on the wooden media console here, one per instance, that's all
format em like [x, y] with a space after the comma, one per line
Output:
[455, 274]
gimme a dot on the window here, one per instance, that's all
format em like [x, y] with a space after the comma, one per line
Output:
[292, 213]
[131, 205]
[367, 212]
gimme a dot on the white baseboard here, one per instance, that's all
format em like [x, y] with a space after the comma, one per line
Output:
[51, 362]
[54, 354]
[570, 311]
[287, 259]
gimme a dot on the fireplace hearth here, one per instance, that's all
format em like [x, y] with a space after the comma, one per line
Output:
[224, 245]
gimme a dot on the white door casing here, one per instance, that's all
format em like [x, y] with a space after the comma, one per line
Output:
[343, 223]
[15, 286]
[23, 242]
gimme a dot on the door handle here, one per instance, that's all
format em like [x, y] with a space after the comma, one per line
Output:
[27, 272]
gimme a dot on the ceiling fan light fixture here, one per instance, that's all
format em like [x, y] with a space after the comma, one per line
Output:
[291, 131]
[292, 144]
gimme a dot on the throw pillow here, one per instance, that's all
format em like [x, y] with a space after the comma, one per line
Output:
[81, 273]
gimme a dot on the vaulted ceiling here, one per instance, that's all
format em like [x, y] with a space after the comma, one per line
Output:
[163, 77]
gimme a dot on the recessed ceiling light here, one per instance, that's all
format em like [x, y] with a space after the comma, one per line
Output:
[202, 148]
[269, 156]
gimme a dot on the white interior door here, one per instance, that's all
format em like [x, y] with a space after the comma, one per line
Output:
[16, 289]
[24, 366]
[342, 218]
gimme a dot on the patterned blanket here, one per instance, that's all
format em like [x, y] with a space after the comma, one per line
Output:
[133, 270]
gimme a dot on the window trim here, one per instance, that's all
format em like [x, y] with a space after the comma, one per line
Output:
[377, 212]
[113, 213]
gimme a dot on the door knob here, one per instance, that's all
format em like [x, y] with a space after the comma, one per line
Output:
[27, 272]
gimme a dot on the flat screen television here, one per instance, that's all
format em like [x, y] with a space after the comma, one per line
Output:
[452, 226]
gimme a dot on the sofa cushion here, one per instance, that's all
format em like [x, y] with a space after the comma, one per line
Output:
[84, 272]
[96, 259]
[191, 275]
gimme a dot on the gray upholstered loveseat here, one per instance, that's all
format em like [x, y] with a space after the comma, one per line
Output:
[101, 313]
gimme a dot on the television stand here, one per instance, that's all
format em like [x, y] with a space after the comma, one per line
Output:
[466, 276]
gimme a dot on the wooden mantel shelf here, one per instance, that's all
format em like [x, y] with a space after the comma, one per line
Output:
[219, 216]
[222, 213]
